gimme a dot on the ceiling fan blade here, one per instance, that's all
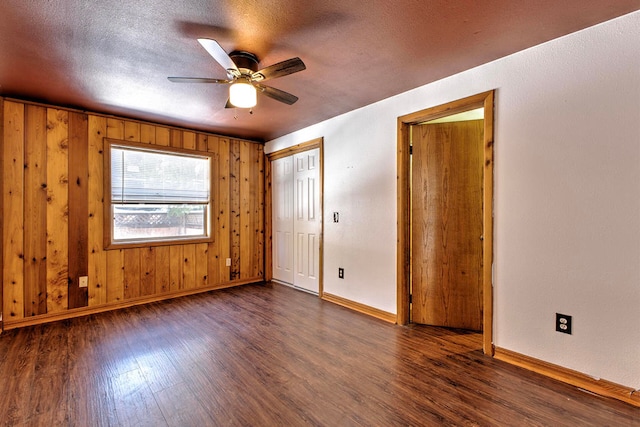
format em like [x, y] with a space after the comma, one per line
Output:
[280, 69]
[218, 53]
[197, 80]
[277, 94]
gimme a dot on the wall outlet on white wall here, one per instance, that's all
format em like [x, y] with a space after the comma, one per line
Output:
[563, 323]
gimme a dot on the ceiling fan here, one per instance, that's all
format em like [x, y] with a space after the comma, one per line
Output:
[244, 77]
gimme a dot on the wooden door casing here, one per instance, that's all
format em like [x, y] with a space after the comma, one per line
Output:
[485, 101]
[447, 215]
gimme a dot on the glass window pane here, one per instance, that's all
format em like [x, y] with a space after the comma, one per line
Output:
[158, 221]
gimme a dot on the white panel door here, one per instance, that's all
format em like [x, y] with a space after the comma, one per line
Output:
[297, 221]
[282, 201]
[307, 224]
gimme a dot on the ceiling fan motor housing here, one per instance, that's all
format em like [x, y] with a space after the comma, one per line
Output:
[246, 62]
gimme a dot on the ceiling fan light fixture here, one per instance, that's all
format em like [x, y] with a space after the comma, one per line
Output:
[245, 81]
[242, 94]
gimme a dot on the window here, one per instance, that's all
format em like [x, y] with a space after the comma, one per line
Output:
[155, 195]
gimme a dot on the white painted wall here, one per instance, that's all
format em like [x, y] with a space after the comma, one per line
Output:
[567, 196]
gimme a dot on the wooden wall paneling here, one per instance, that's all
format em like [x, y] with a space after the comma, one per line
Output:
[150, 261]
[147, 271]
[201, 265]
[13, 211]
[189, 266]
[257, 179]
[115, 272]
[189, 140]
[176, 138]
[35, 211]
[78, 208]
[176, 261]
[115, 275]
[224, 210]
[163, 136]
[202, 142]
[234, 199]
[136, 260]
[115, 128]
[147, 133]
[137, 269]
[132, 131]
[246, 213]
[57, 210]
[132, 273]
[97, 262]
[213, 253]
[59, 157]
[162, 271]
[202, 250]
[139, 263]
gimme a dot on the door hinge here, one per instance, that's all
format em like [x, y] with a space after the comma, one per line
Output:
[411, 150]
[410, 298]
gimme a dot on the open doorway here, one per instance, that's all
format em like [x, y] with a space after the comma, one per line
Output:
[445, 217]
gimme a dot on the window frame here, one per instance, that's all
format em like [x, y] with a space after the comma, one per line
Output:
[109, 242]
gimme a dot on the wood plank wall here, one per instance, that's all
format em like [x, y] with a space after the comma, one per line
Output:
[52, 216]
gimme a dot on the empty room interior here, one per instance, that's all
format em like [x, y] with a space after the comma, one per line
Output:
[227, 212]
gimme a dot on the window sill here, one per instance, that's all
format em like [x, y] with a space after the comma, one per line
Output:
[153, 243]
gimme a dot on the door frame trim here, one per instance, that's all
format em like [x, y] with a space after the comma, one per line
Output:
[403, 261]
[268, 214]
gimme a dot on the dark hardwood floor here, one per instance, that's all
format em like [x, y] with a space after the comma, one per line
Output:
[267, 355]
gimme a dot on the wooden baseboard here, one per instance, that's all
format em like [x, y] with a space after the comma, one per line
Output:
[371, 311]
[578, 379]
[85, 311]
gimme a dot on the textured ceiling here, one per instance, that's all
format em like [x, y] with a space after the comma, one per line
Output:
[114, 56]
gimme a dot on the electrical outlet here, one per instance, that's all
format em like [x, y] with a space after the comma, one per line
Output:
[563, 323]
[83, 281]
[340, 273]
[336, 217]
[228, 262]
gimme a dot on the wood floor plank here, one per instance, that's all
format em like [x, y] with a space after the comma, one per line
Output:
[17, 375]
[135, 404]
[187, 411]
[50, 384]
[90, 394]
[262, 355]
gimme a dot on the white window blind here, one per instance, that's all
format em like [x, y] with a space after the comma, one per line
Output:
[144, 176]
